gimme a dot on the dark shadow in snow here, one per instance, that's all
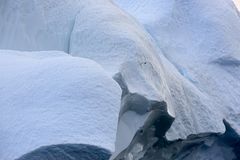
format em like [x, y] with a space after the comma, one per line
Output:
[227, 61]
[133, 101]
[68, 152]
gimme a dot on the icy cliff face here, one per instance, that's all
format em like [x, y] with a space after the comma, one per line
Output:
[52, 98]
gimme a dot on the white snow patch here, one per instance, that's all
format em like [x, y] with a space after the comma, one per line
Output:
[52, 98]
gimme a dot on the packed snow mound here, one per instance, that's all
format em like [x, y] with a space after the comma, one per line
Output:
[52, 98]
[106, 34]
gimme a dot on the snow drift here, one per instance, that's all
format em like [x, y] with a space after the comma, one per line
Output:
[52, 98]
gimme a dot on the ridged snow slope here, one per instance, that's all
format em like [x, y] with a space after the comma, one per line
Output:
[52, 98]
[202, 40]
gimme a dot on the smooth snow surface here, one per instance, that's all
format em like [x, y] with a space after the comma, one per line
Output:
[52, 98]
[37, 25]
[237, 3]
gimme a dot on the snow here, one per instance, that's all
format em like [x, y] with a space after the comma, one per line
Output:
[52, 98]
[183, 52]
[237, 3]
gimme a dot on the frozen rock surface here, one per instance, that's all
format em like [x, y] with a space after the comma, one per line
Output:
[52, 98]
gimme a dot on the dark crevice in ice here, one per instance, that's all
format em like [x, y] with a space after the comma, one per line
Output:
[227, 61]
[133, 101]
[150, 143]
